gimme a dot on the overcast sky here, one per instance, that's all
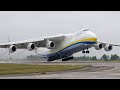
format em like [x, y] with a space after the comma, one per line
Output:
[20, 25]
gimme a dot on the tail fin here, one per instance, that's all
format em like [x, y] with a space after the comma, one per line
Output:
[8, 38]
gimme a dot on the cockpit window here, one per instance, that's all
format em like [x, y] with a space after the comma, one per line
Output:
[81, 32]
[85, 30]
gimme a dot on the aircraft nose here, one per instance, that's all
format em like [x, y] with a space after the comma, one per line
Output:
[93, 35]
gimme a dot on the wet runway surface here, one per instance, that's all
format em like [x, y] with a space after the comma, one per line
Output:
[96, 70]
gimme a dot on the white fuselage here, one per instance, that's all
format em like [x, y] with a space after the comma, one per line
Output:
[71, 44]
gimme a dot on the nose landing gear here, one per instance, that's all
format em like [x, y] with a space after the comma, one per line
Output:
[85, 51]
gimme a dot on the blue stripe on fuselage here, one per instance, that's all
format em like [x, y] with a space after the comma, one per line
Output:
[71, 49]
[79, 43]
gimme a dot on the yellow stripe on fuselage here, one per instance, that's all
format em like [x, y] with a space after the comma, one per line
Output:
[82, 40]
[77, 41]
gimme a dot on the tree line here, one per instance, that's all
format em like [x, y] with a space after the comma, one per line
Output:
[103, 57]
[111, 57]
[94, 58]
[33, 57]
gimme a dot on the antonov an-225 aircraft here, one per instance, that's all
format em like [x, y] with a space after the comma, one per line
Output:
[60, 46]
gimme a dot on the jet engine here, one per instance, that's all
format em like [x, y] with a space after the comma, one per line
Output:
[98, 46]
[12, 48]
[31, 46]
[108, 48]
[50, 45]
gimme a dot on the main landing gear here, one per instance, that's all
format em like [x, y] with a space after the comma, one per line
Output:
[85, 51]
[68, 58]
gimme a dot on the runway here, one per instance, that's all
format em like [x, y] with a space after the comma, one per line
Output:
[96, 70]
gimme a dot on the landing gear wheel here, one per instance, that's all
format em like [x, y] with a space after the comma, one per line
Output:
[87, 51]
[83, 51]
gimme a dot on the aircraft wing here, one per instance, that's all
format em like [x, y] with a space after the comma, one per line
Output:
[104, 44]
[39, 42]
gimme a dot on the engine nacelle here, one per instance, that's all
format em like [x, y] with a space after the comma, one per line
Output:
[31, 46]
[98, 46]
[12, 48]
[108, 48]
[50, 45]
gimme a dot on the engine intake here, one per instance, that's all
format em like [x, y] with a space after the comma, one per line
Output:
[108, 48]
[12, 48]
[50, 45]
[31, 46]
[99, 46]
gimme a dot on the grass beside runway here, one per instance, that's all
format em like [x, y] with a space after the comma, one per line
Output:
[26, 68]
